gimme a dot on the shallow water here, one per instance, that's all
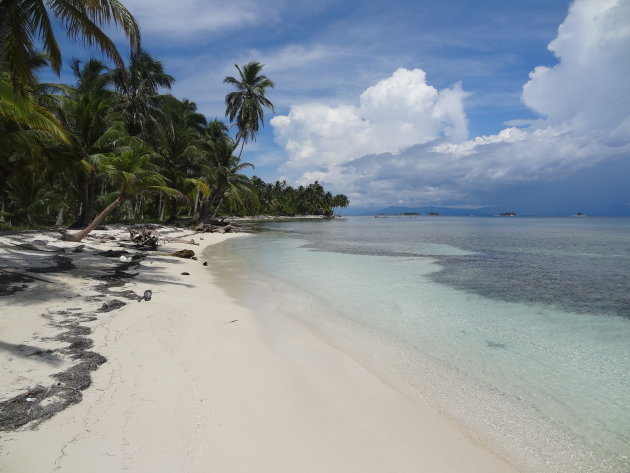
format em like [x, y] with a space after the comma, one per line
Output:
[517, 328]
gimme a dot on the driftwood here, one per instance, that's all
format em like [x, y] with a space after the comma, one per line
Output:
[144, 237]
[181, 240]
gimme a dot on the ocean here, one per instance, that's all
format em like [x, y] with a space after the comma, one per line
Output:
[516, 328]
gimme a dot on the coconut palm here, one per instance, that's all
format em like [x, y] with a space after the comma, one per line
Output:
[138, 87]
[229, 183]
[175, 135]
[216, 132]
[22, 121]
[245, 105]
[131, 173]
[26, 129]
[85, 113]
[340, 201]
[22, 22]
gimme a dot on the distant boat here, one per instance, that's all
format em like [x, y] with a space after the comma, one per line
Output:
[580, 214]
[508, 214]
[381, 216]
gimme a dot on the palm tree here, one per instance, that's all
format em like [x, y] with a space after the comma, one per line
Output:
[132, 174]
[245, 105]
[26, 130]
[24, 21]
[340, 201]
[85, 113]
[137, 87]
[22, 120]
[175, 135]
[215, 132]
[229, 183]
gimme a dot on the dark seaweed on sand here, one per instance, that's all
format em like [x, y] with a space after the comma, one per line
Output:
[40, 403]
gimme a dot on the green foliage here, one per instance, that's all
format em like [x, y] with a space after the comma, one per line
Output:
[280, 199]
[112, 145]
[245, 105]
[26, 25]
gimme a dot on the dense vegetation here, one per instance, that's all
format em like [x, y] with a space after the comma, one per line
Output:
[113, 145]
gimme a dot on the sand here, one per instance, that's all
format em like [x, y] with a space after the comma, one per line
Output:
[194, 382]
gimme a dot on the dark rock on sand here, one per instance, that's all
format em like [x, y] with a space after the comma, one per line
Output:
[183, 254]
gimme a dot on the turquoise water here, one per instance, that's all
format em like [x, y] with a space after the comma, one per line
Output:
[519, 329]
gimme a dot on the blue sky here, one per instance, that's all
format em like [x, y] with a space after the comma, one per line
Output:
[521, 103]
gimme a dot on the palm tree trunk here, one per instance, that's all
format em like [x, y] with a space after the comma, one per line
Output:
[241, 151]
[173, 215]
[76, 237]
[162, 205]
[216, 209]
[196, 205]
[82, 218]
[59, 221]
[91, 196]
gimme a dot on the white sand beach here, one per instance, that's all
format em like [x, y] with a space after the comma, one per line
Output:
[193, 381]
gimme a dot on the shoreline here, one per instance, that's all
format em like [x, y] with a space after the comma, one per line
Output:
[194, 382]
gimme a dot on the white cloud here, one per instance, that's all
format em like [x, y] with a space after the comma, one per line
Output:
[397, 112]
[589, 87]
[406, 140]
[183, 19]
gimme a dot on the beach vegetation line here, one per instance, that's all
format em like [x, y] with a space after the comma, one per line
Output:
[115, 145]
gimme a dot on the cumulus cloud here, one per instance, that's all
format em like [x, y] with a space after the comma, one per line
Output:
[395, 113]
[589, 87]
[406, 141]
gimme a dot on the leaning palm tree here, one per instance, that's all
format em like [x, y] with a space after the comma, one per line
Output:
[22, 22]
[132, 174]
[245, 105]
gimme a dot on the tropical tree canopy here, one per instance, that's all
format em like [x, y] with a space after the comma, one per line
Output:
[112, 146]
[26, 26]
[138, 88]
